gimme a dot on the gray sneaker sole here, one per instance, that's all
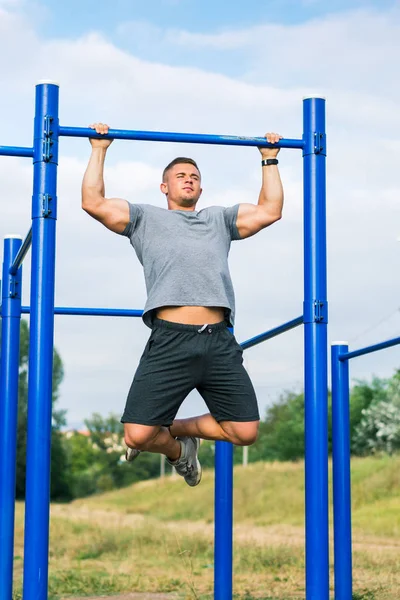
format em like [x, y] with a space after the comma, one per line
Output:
[198, 465]
[131, 454]
[199, 470]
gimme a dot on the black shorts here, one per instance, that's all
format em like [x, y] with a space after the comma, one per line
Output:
[179, 358]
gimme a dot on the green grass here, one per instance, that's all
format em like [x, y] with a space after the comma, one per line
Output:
[261, 495]
[157, 536]
[267, 494]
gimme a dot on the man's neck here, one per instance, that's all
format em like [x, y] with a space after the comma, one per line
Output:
[174, 206]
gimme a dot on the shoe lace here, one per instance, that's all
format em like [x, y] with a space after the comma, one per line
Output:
[187, 468]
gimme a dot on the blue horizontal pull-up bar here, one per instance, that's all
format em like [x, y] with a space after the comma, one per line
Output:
[26, 244]
[90, 312]
[16, 151]
[369, 349]
[188, 138]
[272, 333]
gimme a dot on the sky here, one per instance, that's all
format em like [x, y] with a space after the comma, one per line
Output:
[224, 68]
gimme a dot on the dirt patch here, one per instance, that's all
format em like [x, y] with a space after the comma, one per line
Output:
[132, 596]
[245, 533]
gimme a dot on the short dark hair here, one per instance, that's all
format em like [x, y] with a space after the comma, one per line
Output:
[179, 161]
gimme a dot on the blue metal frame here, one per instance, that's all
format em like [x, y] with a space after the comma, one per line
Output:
[268, 335]
[340, 357]
[16, 151]
[186, 138]
[91, 312]
[26, 244]
[369, 349]
[44, 213]
[9, 369]
[223, 521]
[341, 473]
[315, 351]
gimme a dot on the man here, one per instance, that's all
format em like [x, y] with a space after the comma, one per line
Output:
[190, 304]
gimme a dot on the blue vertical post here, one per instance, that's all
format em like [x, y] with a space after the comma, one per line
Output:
[223, 518]
[44, 213]
[316, 353]
[9, 368]
[341, 472]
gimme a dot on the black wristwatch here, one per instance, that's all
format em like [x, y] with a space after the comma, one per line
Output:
[269, 161]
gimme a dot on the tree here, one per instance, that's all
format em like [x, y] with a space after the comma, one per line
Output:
[393, 388]
[374, 409]
[281, 434]
[362, 395]
[378, 429]
[104, 451]
[60, 488]
[83, 464]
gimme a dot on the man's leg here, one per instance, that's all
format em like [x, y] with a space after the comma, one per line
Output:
[161, 383]
[226, 388]
[207, 428]
[181, 453]
[152, 438]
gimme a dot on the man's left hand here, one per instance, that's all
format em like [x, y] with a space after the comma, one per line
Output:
[272, 138]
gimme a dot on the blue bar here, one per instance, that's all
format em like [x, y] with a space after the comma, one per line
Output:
[9, 368]
[341, 473]
[44, 210]
[316, 353]
[26, 244]
[187, 138]
[91, 312]
[369, 349]
[16, 151]
[223, 521]
[272, 333]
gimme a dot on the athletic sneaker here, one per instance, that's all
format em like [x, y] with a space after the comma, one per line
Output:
[131, 454]
[188, 465]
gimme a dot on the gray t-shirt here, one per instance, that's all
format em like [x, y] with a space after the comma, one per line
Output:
[184, 256]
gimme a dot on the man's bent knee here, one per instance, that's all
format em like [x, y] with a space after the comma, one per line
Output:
[138, 436]
[241, 434]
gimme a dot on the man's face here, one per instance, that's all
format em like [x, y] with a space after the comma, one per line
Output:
[182, 185]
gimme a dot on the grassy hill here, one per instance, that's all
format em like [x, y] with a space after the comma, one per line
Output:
[266, 494]
[157, 536]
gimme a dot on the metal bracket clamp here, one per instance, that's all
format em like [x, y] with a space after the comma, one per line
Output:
[316, 311]
[319, 143]
[46, 205]
[14, 287]
[47, 154]
[47, 142]
[47, 126]
[315, 143]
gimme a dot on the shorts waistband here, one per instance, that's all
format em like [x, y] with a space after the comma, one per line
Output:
[204, 327]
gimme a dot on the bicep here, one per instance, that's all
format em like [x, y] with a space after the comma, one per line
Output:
[252, 218]
[113, 213]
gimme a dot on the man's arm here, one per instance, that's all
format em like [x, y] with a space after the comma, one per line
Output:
[252, 218]
[112, 212]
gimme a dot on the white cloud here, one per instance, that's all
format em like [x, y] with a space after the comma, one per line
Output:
[10, 3]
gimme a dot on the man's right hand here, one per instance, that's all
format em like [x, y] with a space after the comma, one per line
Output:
[102, 129]
[112, 212]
